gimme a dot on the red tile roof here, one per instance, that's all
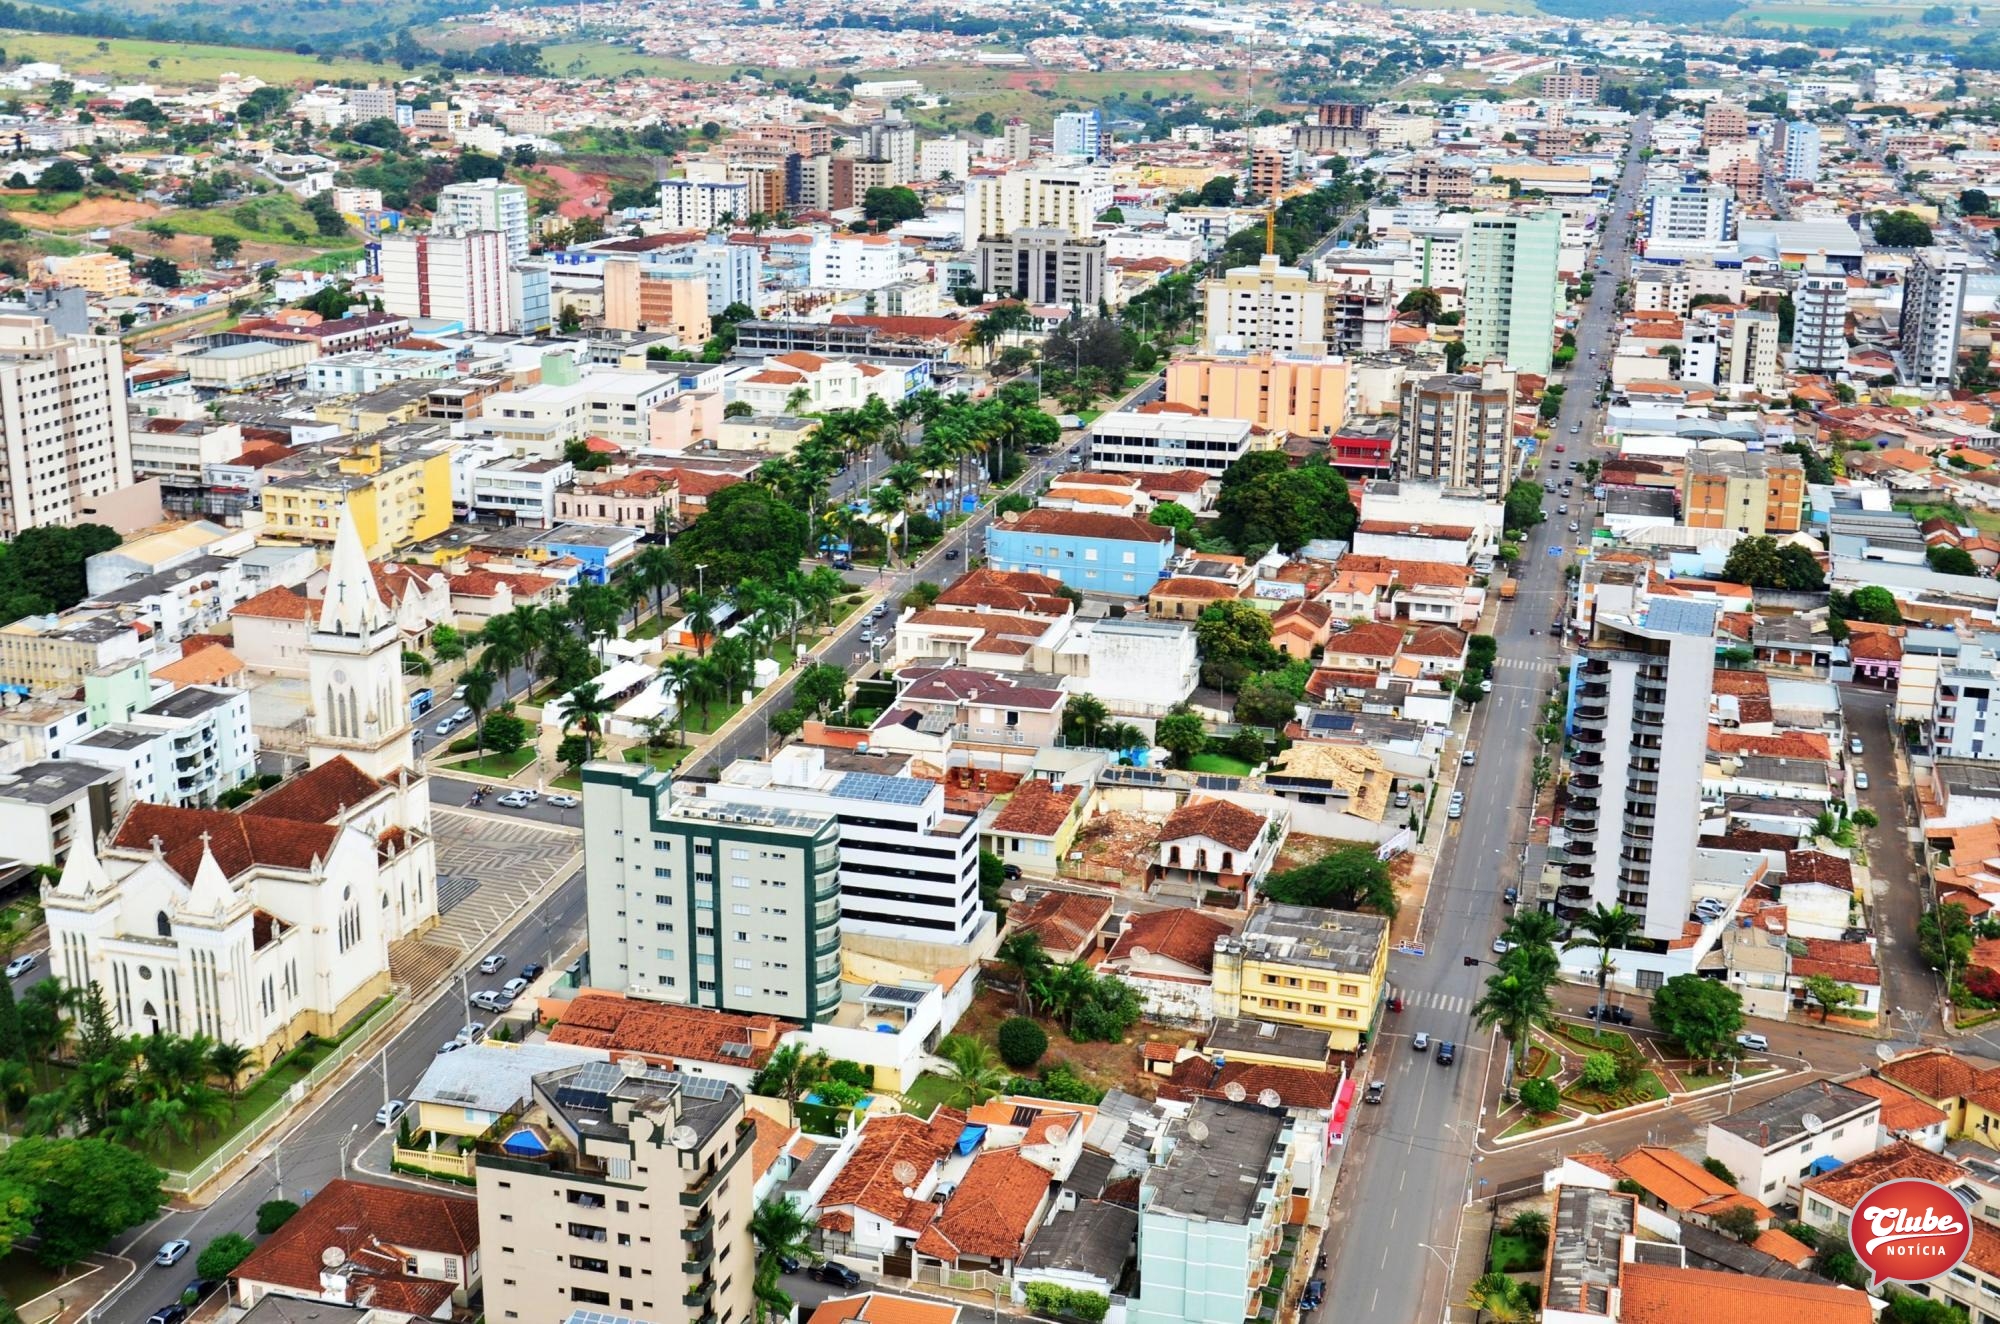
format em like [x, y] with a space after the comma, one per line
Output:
[1934, 1074]
[1374, 639]
[317, 795]
[1066, 922]
[1037, 809]
[663, 1031]
[868, 1179]
[1812, 866]
[1668, 1294]
[1180, 934]
[1089, 524]
[1219, 820]
[1902, 1111]
[1296, 1087]
[372, 1225]
[278, 604]
[1844, 1186]
[993, 1212]
[275, 842]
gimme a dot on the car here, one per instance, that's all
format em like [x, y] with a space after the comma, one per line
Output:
[1447, 1052]
[1457, 810]
[1611, 1015]
[532, 795]
[1756, 1043]
[458, 692]
[1314, 1296]
[1575, 428]
[1468, 758]
[1373, 1094]
[1458, 793]
[493, 964]
[1486, 687]
[1860, 784]
[951, 553]
[1402, 800]
[1563, 509]
[1422, 1041]
[449, 1046]
[387, 1114]
[173, 1252]
[172, 1314]
[1511, 895]
[514, 987]
[1854, 745]
[532, 970]
[487, 999]
[860, 657]
[788, 1264]
[1573, 526]
[21, 965]
[837, 1274]
[1010, 871]
[516, 800]
[1560, 448]
[1501, 946]
[197, 1288]
[563, 802]
[470, 1033]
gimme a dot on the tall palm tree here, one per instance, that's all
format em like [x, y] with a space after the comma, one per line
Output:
[795, 591]
[789, 1074]
[974, 1074]
[1500, 1299]
[507, 647]
[826, 586]
[478, 684]
[779, 1229]
[1606, 930]
[1064, 988]
[677, 672]
[735, 664]
[1021, 952]
[1532, 928]
[1517, 1005]
[1122, 736]
[586, 710]
[230, 1061]
[761, 610]
[698, 614]
[1087, 713]
[654, 569]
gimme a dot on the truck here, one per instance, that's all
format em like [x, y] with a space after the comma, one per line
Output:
[1506, 590]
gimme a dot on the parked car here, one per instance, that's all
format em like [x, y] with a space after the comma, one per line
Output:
[1402, 800]
[1373, 1094]
[1314, 1295]
[21, 965]
[173, 1252]
[197, 1288]
[1469, 757]
[514, 988]
[951, 554]
[837, 1274]
[172, 1314]
[1422, 1041]
[1574, 526]
[470, 1033]
[1501, 946]
[788, 1264]
[1756, 1043]
[516, 800]
[1610, 1016]
[1854, 745]
[487, 999]
[1447, 1053]
[1511, 895]
[387, 1114]
[1010, 871]
[449, 1046]
[532, 970]
[492, 964]
[1457, 810]
[1860, 784]
[563, 802]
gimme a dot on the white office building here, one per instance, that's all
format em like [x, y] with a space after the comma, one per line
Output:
[1126, 440]
[908, 869]
[1683, 219]
[700, 204]
[1080, 133]
[1965, 707]
[855, 262]
[1801, 152]
[1635, 774]
[1068, 199]
[1933, 306]
[487, 204]
[1819, 328]
[459, 277]
[63, 424]
[185, 749]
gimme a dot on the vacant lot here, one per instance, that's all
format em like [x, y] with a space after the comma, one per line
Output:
[175, 63]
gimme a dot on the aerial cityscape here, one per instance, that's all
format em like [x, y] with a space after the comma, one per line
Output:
[941, 663]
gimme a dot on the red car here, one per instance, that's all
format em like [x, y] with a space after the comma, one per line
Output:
[1559, 448]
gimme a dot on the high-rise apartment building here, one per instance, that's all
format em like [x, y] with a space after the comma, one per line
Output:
[1271, 168]
[1018, 135]
[1750, 354]
[1268, 308]
[1360, 314]
[709, 901]
[1053, 198]
[892, 139]
[1080, 133]
[622, 1190]
[1437, 178]
[1634, 810]
[372, 103]
[1458, 431]
[1513, 288]
[1800, 157]
[487, 204]
[1752, 492]
[1722, 122]
[1043, 266]
[1277, 392]
[62, 421]
[458, 277]
[1688, 217]
[826, 183]
[1570, 83]
[1965, 707]
[908, 869]
[1933, 306]
[1819, 325]
[691, 204]
[642, 296]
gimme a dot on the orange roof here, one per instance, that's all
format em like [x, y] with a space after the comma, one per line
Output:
[993, 1211]
[1180, 934]
[1845, 1185]
[665, 1031]
[1218, 820]
[1901, 1110]
[882, 1308]
[1780, 1245]
[868, 1179]
[1037, 809]
[279, 604]
[208, 666]
[1066, 922]
[1675, 1180]
[1934, 1073]
[1668, 1294]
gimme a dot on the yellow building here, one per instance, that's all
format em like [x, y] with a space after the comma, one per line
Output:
[1305, 965]
[397, 499]
[105, 275]
[1277, 392]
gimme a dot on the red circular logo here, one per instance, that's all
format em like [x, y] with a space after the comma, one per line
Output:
[1909, 1230]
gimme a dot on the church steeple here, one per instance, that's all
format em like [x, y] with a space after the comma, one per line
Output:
[353, 604]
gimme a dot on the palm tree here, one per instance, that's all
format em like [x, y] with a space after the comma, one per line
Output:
[1022, 954]
[826, 587]
[654, 570]
[1532, 928]
[586, 710]
[1500, 1299]
[1516, 1004]
[1062, 989]
[698, 615]
[779, 1228]
[706, 681]
[478, 684]
[789, 1074]
[507, 647]
[230, 1061]
[758, 609]
[1606, 930]
[975, 1075]
[1122, 736]
[1087, 712]
[795, 591]
[677, 673]
[17, 1085]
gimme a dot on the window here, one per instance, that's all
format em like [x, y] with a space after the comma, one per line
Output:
[589, 1296]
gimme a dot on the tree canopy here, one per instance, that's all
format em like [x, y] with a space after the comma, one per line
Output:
[1702, 1015]
[85, 1192]
[891, 205]
[1266, 502]
[1760, 562]
[1901, 228]
[1350, 878]
[746, 533]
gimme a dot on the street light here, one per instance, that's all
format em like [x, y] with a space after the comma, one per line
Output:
[345, 1141]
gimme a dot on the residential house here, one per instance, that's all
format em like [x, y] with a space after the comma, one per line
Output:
[1818, 894]
[1111, 555]
[1066, 923]
[1213, 844]
[1167, 957]
[1300, 629]
[1773, 1149]
[870, 1211]
[404, 1254]
[1035, 827]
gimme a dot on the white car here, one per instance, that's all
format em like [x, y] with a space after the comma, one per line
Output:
[514, 988]
[1860, 784]
[174, 1251]
[1854, 745]
[387, 1114]
[1756, 1043]
[563, 802]
[493, 963]
[21, 965]
[1501, 946]
[516, 800]
[1574, 526]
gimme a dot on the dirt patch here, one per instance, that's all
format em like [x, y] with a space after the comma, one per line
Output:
[1117, 848]
[1103, 1065]
[94, 212]
[582, 195]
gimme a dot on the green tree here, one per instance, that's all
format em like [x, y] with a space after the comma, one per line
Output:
[1901, 228]
[60, 177]
[1540, 1096]
[1500, 1300]
[1523, 507]
[1234, 639]
[974, 1074]
[1944, 938]
[85, 1192]
[1717, 1168]
[219, 1258]
[273, 1214]
[1832, 996]
[1021, 954]
[1516, 1003]
[1600, 1071]
[1702, 1015]
[1022, 1042]
[891, 205]
[1740, 1222]
[1183, 735]
[163, 272]
[1974, 202]
[746, 533]
[447, 643]
[1874, 604]
[1347, 878]
[504, 733]
[1262, 505]
[1424, 303]
[822, 686]
[1909, 1308]
[225, 247]
[779, 1229]
[790, 1073]
[1951, 561]
[1605, 930]
[1173, 515]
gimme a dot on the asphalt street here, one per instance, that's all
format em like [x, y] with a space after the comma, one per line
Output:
[339, 1128]
[1412, 1163]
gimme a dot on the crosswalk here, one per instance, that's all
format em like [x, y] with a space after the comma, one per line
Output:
[1423, 999]
[1522, 664]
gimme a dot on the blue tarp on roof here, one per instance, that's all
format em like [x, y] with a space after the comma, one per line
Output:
[1823, 1164]
[969, 1138]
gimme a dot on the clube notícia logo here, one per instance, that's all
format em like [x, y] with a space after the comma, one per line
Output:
[1909, 1230]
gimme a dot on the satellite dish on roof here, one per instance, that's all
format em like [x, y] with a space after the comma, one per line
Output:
[1234, 1091]
[1269, 1098]
[1885, 1053]
[1197, 1130]
[631, 1067]
[1019, 894]
[1812, 1123]
[333, 1257]
[1059, 1135]
[684, 1138]
[905, 1173]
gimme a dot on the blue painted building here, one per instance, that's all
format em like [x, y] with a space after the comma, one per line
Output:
[1114, 555]
[601, 548]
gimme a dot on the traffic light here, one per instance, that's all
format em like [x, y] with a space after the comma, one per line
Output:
[1472, 960]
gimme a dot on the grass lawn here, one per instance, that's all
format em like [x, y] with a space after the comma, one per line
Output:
[50, 203]
[1986, 521]
[1590, 1037]
[924, 1097]
[1643, 1090]
[569, 781]
[1692, 1081]
[260, 220]
[1219, 763]
[707, 723]
[1532, 1122]
[649, 628]
[22, 1278]
[663, 759]
[337, 260]
[1510, 1254]
[175, 62]
[497, 765]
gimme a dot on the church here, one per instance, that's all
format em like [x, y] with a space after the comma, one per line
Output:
[260, 925]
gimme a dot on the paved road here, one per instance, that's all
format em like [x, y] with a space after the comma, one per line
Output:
[1412, 1163]
[1910, 989]
[309, 1151]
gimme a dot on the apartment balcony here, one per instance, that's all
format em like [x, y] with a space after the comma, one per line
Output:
[1571, 892]
[1585, 781]
[1592, 689]
[1637, 859]
[1588, 760]
[700, 1255]
[1634, 878]
[1590, 712]
[702, 1230]
[1596, 666]
[1588, 742]
[1579, 871]
[1633, 900]
[1580, 849]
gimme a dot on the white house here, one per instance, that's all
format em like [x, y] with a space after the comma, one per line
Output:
[1777, 1143]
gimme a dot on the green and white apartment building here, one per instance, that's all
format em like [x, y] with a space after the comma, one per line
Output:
[1513, 289]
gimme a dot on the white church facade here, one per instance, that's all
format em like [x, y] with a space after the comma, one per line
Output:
[261, 925]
